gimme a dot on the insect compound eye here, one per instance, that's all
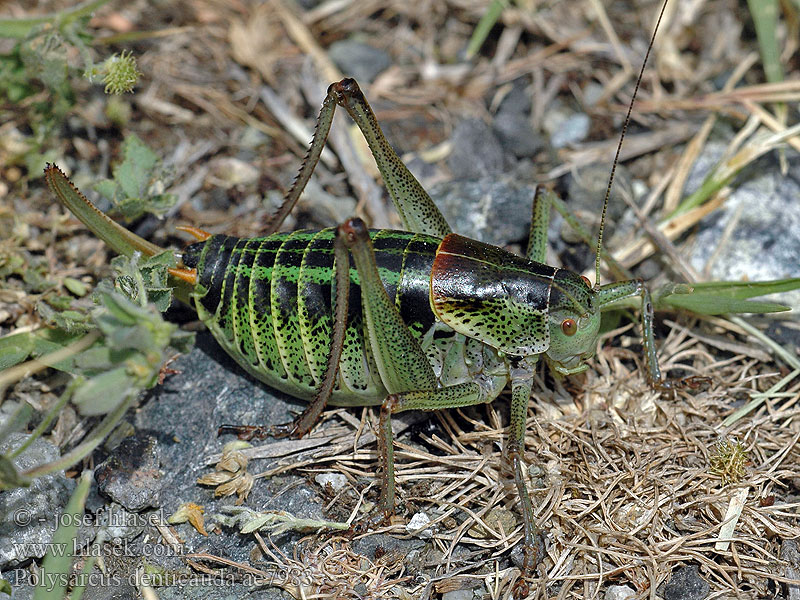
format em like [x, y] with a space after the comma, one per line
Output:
[586, 281]
[569, 326]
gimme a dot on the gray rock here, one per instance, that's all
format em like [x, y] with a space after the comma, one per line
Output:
[120, 524]
[516, 134]
[571, 130]
[130, 475]
[116, 589]
[28, 516]
[476, 151]
[21, 588]
[517, 101]
[620, 592]
[358, 60]
[228, 591]
[592, 93]
[184, 414]
[586, 188]
[418, 526]
[337, 481]
[309, 4]
[494, 210]
[765, 242]
[685, 584]
[458, 595]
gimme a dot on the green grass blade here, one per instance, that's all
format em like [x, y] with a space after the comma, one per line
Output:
[748, 289]
[724, 297]
[765, 20]
[709, 304]
[484, 26]
[19, 28]
[57, 565]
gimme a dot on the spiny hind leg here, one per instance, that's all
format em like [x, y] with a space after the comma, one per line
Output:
[323, 127]
[416, 209]
[412, 202]
[540, 221]
[403, 366]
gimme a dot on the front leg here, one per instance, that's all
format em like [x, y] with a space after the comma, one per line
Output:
[533, 540]
[616, 294]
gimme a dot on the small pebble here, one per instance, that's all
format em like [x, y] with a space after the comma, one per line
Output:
[500, 519]
[619, 592]
[516, 134]
[458, 595]
[358, 60]
[685, 584]
[131, 475]
[571, 130]
[476, 151]
[228, 172]
[416, 526]
[517, 101]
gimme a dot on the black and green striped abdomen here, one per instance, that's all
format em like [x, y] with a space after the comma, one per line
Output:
[268, 302]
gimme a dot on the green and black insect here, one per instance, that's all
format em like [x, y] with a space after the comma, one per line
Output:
[419, 319]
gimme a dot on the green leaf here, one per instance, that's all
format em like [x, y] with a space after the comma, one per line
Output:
[765, 20]
[103, 393]
[182, 341]
[131, 207]
[121, 312]
[134, 172]
[94, 360]
[108, 189]
[49, 340]
[747, 289]
[139, 182]
[161, 203]
[14, 349]
[160, 297]
[5, 587]
[145, 280]
[68, 320]
[139, 338]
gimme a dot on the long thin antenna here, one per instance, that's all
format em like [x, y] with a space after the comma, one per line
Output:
[619, 148]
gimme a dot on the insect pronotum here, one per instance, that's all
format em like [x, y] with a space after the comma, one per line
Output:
[422, 319]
